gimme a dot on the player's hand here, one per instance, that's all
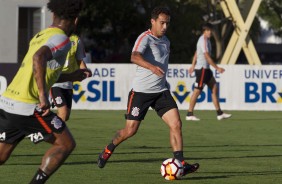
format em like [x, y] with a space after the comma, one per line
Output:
[80, 74]
[191, 69]
[88, 73]
[158, 71]
[44, 105]
[44, 102]
[220, 70]
[45, 112]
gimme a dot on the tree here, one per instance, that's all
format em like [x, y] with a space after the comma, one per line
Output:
[271, 11]
[113, 26]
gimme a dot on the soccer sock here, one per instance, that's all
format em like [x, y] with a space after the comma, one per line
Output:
[178, 155]
[40, 177]
[111, 147]
[219, 112]
[189, 113]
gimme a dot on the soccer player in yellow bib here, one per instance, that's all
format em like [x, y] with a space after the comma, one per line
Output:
[24, 106]
[62, 92]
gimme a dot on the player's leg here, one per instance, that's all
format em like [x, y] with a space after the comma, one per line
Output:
[128, 131]
[9, 137]
[213, 87]
[167, 109]
[172, 119]
[62, 145]
[5, 151]
[63, 112]
[198, 87]
[193, 101]
[49, 128]
[136, 111]
[62, 99]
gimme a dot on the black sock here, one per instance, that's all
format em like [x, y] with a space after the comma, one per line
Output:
[189, 113]
[178, 155]
[111, 147]
[219, 112]
[40, 177]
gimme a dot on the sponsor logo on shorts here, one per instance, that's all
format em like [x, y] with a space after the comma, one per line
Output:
[59, 100]
[3, 136]
[135, 111]
[35, 137]
[56, 122]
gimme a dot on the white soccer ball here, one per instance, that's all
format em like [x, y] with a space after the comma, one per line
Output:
[171, 169]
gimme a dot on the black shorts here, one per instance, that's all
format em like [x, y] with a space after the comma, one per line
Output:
[139, 103]
[203, 77]
[61, 97]
[13, 128]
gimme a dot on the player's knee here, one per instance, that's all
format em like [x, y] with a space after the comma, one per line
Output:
[197, 91]
[64, 117]
[71, 145]
[176, 125]
[68, 146]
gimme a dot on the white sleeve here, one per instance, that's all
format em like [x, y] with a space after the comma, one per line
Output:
[80, 51]
[204, 45]
[59, 45]
[141, 43]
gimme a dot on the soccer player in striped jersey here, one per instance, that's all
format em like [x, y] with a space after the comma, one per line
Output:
[201, 65]
[150, 89]
[62, 92]
[24, 106]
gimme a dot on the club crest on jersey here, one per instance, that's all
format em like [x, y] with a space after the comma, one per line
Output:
[58, 100]
[35, 137]
[3, 136]
[135, 111]
[56, 122]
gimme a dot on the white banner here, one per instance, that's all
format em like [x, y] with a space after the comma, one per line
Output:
[241, 87]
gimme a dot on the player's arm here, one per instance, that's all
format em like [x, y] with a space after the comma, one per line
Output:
[137, 58]
[204, 49]
[80, 54]
[212, 63]
[194, 61]
[77, 75]
[83, 66]
[40, 59]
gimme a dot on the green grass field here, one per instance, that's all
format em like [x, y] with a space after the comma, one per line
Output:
[244, 149]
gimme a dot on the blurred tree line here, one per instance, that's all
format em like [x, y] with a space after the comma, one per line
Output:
[109, 28]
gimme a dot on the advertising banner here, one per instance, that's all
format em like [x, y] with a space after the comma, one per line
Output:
[241, 87]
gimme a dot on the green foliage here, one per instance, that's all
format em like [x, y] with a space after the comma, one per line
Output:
[113, 26]
[271, 11]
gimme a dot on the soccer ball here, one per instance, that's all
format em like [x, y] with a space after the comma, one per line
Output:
[171, 169]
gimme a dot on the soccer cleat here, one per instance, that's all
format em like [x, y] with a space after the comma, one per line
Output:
[103, 157]
[192, 118]
[190, 168]
[223, 116]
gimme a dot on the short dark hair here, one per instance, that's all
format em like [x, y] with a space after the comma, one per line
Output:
[206, 26]
[65, 9]
[158, 10]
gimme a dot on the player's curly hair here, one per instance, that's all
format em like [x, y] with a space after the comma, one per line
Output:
[158, 10]
[65, 9]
